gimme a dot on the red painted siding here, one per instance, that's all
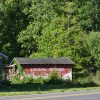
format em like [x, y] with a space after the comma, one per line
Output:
[44, 70]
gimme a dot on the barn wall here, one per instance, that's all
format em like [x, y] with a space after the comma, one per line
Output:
[64, 71]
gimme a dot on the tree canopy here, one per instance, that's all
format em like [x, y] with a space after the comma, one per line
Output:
[52, 28]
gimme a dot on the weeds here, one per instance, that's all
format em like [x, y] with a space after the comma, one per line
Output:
[22, 79]
[54, 79]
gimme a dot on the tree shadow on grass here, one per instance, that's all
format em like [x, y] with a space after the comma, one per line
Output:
[32, 87]
[29, 87]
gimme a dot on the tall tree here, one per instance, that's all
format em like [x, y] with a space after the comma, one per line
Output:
[63, 36]
[13, 20]
[40, 14]
[88, 14]
[93, 49]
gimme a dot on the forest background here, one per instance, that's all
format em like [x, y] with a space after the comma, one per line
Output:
[53, 28]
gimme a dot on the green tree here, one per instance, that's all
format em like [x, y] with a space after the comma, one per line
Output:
[93, 48]
[52, 28]
[88, 14]
[40, 14]
[28, 39]
[12, 21]
[63, 36]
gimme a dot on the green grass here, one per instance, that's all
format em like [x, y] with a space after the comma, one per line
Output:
[25, 89]
[28, 85]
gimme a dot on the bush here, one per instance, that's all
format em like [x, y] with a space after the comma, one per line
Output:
[5, 82]
[85, 82]
[53, 78]
[22, 79]
[39, 80]
[96, 78]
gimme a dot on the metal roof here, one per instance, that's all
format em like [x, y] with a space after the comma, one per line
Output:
[61, 60]
[3, 56]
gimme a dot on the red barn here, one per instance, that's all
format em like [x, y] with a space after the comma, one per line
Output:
[43, 66]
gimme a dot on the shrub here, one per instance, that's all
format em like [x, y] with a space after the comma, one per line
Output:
[39, 80]
[85, 82]
[53, 78]
[22, 79]
[96, 78]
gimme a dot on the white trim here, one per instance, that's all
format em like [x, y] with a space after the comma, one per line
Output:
[13, 60]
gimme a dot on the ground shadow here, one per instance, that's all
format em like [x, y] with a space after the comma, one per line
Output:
[41, 87]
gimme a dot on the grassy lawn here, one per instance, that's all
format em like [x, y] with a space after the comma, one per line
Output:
[23, 89]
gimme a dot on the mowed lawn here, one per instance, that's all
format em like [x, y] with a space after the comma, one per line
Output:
[25, 89]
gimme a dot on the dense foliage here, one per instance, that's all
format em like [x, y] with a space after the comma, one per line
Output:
[52, 28]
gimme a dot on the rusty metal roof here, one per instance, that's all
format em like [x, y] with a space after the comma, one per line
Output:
[61, 60]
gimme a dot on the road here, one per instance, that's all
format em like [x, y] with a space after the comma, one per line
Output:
[78, 95]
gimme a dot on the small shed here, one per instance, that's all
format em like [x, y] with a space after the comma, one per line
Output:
[37, 67]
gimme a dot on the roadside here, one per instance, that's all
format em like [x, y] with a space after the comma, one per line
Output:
[81, 95]
[8, 91]
[51, 85]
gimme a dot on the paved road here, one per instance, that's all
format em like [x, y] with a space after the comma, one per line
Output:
[79, 95]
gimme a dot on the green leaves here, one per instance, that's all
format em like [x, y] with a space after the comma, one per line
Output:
[52, 28]
[28, 38]
[13, 20]
[93, 45]
[88, 15]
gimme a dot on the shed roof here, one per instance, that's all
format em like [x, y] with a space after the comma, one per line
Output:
[61, 60]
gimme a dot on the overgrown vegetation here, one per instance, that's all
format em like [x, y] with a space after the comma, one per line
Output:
[53, 28]
[19, 67]
[96, 77]
[20, 79]
[29, 85]
[54, 79]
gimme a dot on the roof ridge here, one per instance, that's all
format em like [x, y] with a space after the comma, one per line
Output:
[59, 60]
